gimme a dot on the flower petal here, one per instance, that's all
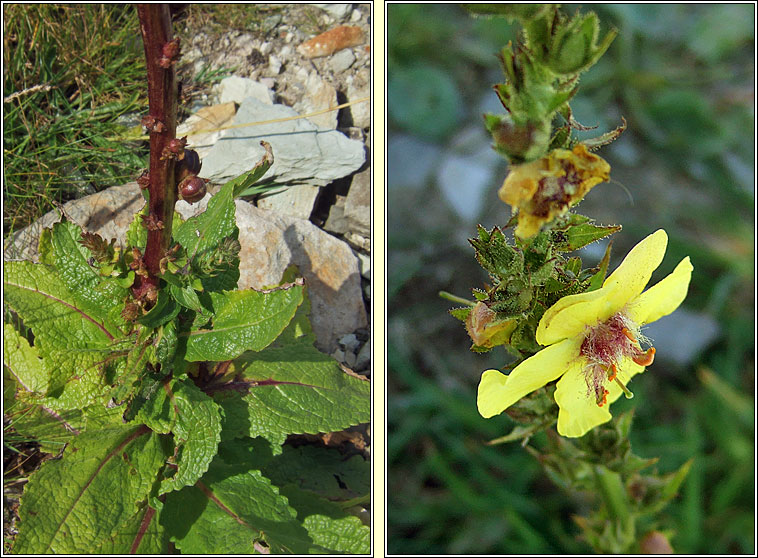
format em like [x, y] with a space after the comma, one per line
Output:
[497, 391]
[572, 314]
[664, 297]
[578, 412]
[631, 277]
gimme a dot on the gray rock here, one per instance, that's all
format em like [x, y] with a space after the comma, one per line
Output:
[363, 359]
[271, 22]
[319, 95]
[349, 342]
[356, 16]
[108, 213]
[296, 200]
[270, 243]
[680, 336]
[302, 154]
[336, 222]
[359, 87]
[237, 89]
[364, 260]
[337, 11]
[468, 172]
[358, 204]
[342, 60]
[411, 161]
[274, 65]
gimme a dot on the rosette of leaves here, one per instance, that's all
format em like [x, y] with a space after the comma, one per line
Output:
[167, 422]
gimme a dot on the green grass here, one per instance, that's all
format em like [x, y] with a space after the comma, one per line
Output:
[682, 78]
[88, 61]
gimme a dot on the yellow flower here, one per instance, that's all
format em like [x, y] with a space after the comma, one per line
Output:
[593, 342]
[546, 188]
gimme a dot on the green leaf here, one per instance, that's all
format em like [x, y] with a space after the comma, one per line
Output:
[599, 277]
[93, 293]
[321, 470]
[151, 405]
[293, 389]
[328, 525]
[71, 504]
[197, 432]
[140, 354]
[165, 310]
[244, 321]
[495, 254]
[24, 362]
[206, 230]
[38, 295]
[577, 231]
[75, 344]
[187, 297]
[230, 510]
[141, 534]
[246, 180]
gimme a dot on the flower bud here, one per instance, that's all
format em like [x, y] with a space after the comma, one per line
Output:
[192, 189]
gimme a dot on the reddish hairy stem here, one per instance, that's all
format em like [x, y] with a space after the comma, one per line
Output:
[155, 23]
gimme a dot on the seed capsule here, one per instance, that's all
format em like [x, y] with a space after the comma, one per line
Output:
[189, 165]
[192, 189]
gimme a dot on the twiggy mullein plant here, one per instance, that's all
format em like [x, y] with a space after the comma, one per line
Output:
[561, 321]
[164, 394]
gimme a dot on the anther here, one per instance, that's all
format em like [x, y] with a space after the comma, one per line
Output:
[646, 358]
[604, 398]
[629, 335]
[612, 372]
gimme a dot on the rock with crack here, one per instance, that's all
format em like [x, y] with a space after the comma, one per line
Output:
[304, 156]
[302, 153]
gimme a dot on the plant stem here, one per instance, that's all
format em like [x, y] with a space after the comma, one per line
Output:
[155, 23]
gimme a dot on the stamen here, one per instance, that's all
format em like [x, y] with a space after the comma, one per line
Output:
[628, 394]
[604, 400]
[629, 335]
[612, 372]
[646, 358]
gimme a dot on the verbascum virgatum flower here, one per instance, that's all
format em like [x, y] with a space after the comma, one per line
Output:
[593, 342]
[546, 188]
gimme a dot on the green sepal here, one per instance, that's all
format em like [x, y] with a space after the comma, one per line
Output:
[577, 231]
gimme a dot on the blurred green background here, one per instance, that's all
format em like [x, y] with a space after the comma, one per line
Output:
[682, 76]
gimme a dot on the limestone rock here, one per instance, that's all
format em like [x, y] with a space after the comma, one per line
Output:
[207, 118]
[319, 95]
[360, 88]
[342, 60]
[108, 213]
[337, 11]
[237, 89]
[296, 200]
[302, 154]
[358, 204]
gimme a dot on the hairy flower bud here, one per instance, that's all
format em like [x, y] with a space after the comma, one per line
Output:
[192, 189]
